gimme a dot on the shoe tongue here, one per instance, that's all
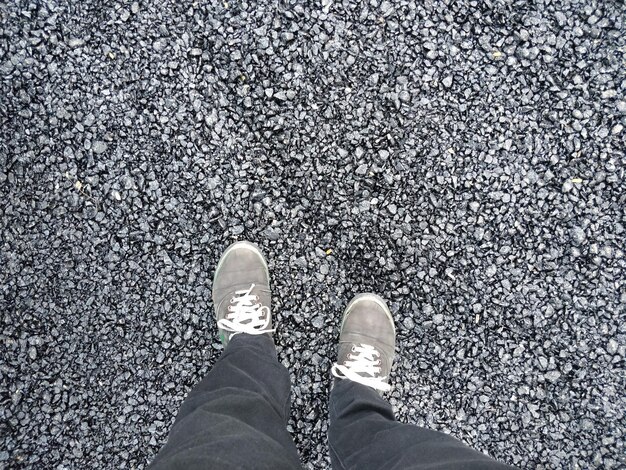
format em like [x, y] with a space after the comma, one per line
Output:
[361, 338]
[241, 289]
[223, 297]
[384, 356]
[346, 350]
[265, 298]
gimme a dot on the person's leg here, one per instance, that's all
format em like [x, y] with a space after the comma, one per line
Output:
[235, 417]
[363, 432]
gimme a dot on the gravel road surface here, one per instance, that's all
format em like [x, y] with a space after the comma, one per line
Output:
[464, 159]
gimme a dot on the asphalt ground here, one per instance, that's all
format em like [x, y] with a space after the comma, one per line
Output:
[465, 160]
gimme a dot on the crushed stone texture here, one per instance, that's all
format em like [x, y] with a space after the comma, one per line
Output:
[463, 159]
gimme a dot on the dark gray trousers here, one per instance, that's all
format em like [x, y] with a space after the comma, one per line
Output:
[235, 419]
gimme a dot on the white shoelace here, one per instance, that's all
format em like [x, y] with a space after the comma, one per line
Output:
[245, 315]
[362, 360]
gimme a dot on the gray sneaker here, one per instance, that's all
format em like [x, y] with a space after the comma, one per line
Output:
[366, 343]
[241, 292]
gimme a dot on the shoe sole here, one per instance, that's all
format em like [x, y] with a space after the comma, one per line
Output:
[374, 298]
[237, 246]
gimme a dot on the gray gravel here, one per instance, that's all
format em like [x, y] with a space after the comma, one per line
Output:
[463, 159]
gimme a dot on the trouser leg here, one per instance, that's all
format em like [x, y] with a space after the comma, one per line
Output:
[364, 434]
[236, 416]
